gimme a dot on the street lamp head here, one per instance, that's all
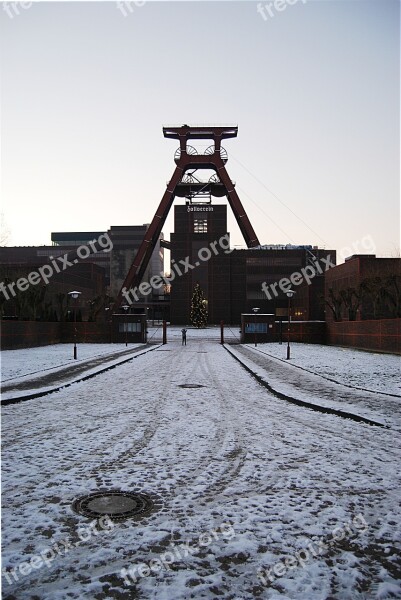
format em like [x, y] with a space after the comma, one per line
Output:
[74, 294]
[290, 293]
[256, 309]
[125, 307]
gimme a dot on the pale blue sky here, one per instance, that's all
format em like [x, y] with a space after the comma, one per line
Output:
[314, 90]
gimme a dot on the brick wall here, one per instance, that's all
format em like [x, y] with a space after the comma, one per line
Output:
[307, 332]
[28, 334]
[383, 335]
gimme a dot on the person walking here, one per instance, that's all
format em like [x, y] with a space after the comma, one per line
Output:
[184, 337]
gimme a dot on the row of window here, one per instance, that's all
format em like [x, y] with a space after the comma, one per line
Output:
[129, 327]
[200, 225]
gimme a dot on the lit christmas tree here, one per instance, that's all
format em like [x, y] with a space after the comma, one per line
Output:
[198, 308]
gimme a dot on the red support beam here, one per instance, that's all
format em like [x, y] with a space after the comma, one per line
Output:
[241, 217]
[141, 260]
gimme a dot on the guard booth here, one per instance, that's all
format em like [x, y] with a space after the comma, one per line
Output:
[129, 328]
[257, 328]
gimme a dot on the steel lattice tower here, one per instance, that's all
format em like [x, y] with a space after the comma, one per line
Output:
[185, 184]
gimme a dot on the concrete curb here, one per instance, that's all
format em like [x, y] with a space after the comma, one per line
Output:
[303, 403]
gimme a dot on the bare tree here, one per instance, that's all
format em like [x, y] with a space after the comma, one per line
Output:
[352, 298]
[335, 303]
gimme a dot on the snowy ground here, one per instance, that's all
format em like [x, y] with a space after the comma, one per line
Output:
[273, 500]
[30, 361]
[366, 370]
[302, 384]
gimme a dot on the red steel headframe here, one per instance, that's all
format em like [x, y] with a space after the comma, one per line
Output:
[186, 162]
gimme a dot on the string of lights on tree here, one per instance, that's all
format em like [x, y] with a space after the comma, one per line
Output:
[198, 315]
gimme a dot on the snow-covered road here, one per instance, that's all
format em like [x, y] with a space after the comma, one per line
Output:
[274, 500]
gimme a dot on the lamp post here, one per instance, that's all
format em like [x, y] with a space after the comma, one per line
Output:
[126, 307]
[289, 294]
[147, 324]
[255, 312]
[75, 295]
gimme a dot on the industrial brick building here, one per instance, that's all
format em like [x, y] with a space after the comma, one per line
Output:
[98, 277]
[232, 279]
[364, 287]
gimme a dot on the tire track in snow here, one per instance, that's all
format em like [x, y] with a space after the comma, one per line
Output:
[226, 455]
[199, 373]
[78, 468]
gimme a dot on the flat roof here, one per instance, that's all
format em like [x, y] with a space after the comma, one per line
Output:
[75, 235]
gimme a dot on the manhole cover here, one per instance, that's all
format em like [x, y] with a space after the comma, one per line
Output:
[191, 385]
[114, 503]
